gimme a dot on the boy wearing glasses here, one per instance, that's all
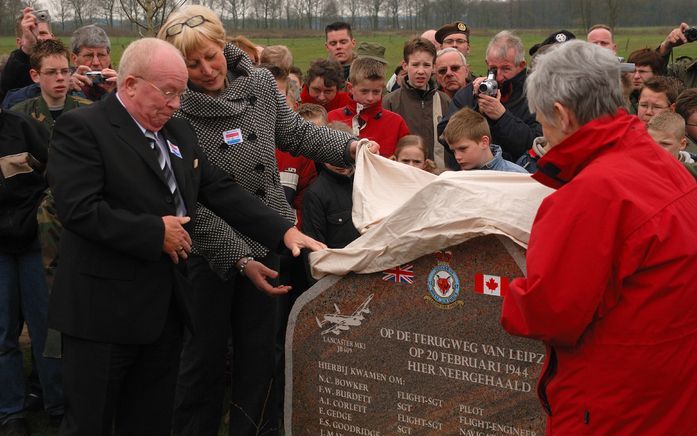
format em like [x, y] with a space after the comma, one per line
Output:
[658, 94]
[50, 70]
[418, 101]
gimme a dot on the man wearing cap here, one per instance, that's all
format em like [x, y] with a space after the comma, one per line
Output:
[512, 125]
[456, 35]
[371, 50]
[340, 44]
[555, 38]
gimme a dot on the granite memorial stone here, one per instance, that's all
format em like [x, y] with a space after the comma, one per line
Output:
[416, 349]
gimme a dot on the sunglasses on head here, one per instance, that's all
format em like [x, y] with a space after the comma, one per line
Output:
[444, 70]
[176, 29]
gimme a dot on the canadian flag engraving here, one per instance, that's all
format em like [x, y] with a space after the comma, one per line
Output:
[490, 285]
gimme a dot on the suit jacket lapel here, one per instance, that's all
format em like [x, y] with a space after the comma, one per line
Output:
[128, 131]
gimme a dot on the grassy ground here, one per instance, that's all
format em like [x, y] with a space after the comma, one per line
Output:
[305, 49]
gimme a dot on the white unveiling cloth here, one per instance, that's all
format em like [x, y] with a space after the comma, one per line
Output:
[404, 213]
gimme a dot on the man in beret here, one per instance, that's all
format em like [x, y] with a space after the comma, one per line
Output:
[555, 38]
[456, 35]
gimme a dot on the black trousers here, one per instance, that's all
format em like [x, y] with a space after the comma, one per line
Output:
[126, 388]
[224, 310]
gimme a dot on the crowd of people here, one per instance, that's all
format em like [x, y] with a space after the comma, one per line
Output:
[162, 240]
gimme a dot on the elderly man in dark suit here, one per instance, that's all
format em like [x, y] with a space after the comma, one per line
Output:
[125, 178]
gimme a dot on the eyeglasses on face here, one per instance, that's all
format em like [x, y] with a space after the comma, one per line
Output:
[168, 95]
[52, 72]
[177, 28]
[444, 70]
[91, 55]
[653, 107]
[453, 41]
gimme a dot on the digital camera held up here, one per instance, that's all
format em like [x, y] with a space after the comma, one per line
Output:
[489, 86]
[96, 76]
[42, 16]
[690, 34]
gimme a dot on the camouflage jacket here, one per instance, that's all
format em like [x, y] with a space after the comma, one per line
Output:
[38, 109]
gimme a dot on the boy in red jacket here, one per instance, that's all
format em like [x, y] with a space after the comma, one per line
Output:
[364, 113]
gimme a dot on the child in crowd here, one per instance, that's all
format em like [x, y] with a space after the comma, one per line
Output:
[419, 101]
[51, 70]
[278, 55]
[246, 46]
[411, 151]
[323, 83]
[298, 172]
[668, 130]
[328, 202]
[364, 113]
[658, 94]
[468, 136]
[529, 159]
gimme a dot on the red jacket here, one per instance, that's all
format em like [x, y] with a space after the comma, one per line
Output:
[341, 99]
[296, 173]
[611, 285]
[378, 124]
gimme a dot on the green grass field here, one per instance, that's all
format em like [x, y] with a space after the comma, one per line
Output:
[305, 49]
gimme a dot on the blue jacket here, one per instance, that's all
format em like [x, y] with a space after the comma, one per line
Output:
[498, 163]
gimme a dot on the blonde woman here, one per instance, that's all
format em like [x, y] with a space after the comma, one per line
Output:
[240, 118]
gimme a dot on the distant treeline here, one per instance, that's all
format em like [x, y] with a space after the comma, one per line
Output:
[371, 15]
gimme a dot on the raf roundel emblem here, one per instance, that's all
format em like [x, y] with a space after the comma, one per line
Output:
[461, 26]
[443, 284]
[560, 37]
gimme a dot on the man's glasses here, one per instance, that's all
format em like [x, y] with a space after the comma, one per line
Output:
[176, 29]
[458, 41]
[65, 72]
[168, 95]
[454, 68]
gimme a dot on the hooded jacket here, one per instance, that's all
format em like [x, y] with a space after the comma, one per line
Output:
[611, 286]
[416, 107]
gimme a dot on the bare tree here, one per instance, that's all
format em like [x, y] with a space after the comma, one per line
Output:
[78, 11]
[393, 6]
[62, 9]
[153, 12]
[614, 8]
[374, 7]
[354, 7]
[584, 9]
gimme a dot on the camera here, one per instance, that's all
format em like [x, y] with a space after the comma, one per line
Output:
[690, 34]
[42, 16]
[96, 77]
[489, 86]
[624, 66]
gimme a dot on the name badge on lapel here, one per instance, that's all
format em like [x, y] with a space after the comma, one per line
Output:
[232, 137]
[174, 149]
